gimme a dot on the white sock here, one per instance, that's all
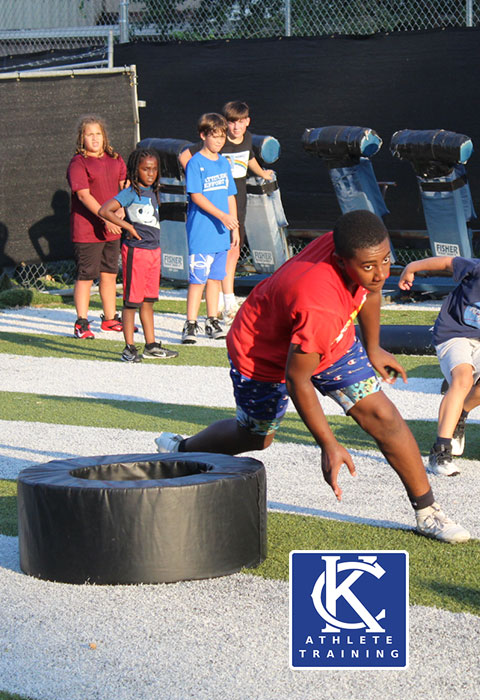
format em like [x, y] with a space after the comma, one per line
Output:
[221, 301]
[229, 301]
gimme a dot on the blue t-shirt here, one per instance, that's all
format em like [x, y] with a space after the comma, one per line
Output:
[213, 179]
[459, 316]
[142, 213]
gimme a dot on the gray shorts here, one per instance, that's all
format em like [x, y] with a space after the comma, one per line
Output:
[459, 351]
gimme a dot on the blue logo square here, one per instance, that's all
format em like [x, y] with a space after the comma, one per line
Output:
[349, 609]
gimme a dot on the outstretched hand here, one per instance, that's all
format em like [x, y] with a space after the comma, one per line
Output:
[333, 457]
[406, 279]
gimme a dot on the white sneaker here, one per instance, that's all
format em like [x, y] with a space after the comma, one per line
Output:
[168, 442]
[432, 522]
[458, 439]
[440, 461]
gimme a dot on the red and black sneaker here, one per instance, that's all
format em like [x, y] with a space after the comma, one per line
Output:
[82, 329]
[115, 324]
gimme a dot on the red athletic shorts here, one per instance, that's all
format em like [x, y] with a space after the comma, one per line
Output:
[141, 275]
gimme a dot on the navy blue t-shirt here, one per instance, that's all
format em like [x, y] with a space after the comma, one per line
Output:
[142, 213]
[459, 316]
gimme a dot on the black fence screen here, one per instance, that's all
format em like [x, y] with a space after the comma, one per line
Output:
[38, 119]
[417, 80]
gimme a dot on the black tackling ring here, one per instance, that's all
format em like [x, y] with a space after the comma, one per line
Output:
[141, 518]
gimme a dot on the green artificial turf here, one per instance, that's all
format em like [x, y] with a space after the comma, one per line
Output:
[441, 575]
[9, 696]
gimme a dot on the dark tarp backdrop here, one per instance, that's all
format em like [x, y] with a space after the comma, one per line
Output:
[418, 80]
[39, 117]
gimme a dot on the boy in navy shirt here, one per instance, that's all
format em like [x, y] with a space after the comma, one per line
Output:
[456, 336]
[212, 225]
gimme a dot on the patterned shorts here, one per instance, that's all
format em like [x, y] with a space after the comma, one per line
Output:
[262, 405]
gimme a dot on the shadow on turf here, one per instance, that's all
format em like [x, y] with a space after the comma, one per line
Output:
[461, 593]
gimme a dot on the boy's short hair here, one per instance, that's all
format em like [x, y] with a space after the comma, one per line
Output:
[356, 230]
[233, 111]
[211, 122]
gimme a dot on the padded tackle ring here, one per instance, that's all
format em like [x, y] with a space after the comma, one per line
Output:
[141, 518]
[406, 340]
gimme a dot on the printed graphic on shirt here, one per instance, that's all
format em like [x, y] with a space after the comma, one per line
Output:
[238, 162]
[471, 315]
[143, 212]
[219, 181]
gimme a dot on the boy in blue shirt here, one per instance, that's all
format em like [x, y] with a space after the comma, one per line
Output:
[140, 251]
[456, 336]
[212, 225]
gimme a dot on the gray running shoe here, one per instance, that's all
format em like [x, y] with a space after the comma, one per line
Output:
[214, 330]
[130, 354]
[458, 439]
[158, 352]
[432, 522]
[168, 442]
[190, 332]
[440, 461]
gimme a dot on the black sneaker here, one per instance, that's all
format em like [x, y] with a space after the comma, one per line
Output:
[158, 352]
[440, 461]
[130, 354]
[190, 332]
[213, 329]
[458, 439]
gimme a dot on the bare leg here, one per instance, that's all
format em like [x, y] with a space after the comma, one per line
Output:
[378, 416]
[194, 297]
[128, 320]
[473, 399]
[232, 259]
[81, 297]
[453, 401]
[227, 437]
[211, 297]
[147, 319]
[108, 294]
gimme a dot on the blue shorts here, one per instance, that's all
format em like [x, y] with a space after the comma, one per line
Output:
[208, 266]
[262, 405]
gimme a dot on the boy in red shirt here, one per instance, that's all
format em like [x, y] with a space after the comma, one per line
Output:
[294, 334]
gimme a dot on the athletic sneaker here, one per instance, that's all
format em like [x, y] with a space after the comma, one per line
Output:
[168, 442]
[213, 329]
[115, 324]
[158, 352]
[228, 316]
[190, 332]
[130, 354]
[82, 329]
[440, 461]
[432, 522]
[458, 439]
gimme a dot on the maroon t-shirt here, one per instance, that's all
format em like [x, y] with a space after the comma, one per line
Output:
[102, 177]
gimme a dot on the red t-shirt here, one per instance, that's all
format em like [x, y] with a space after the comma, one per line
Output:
[102, 177]
[305, 302]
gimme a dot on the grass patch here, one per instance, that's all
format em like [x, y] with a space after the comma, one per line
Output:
[103, 350]
[441, 575]
[186, 419]
[8, 508]
[9, 696]
[402, 317]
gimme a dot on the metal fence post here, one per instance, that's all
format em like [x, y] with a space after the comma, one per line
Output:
[123, 21]
[469, 13]
[288, 18]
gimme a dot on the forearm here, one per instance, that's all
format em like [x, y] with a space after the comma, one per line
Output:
[201, 201]
[255, 167]
[306, 402]
[435, 264]
[89, 201]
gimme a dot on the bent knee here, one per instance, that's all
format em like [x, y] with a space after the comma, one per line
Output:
[376, 409]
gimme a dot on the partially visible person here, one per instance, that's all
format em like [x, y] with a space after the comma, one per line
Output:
[212, 226]
[456, 337]
[95, 173]
[141, 255]
[295, 333]
[239, 152]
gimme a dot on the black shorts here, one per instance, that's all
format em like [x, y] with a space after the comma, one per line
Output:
[94, 258]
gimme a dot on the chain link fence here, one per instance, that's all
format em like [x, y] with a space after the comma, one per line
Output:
[37, 25]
